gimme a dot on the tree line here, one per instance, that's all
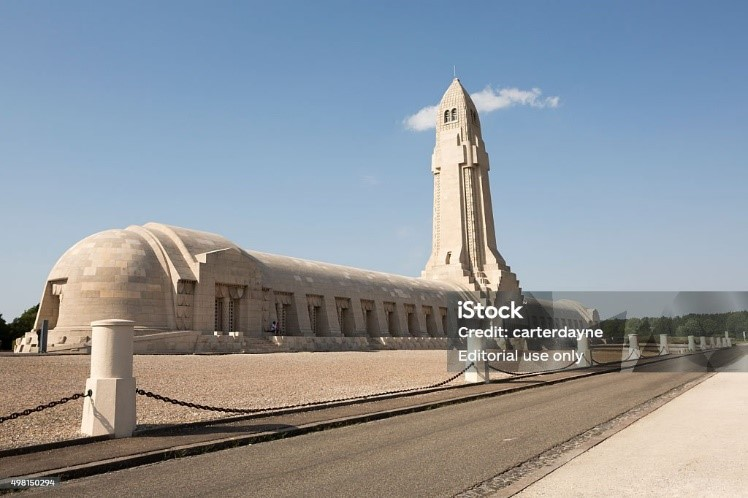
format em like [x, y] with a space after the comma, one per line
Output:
[15, 329]
[679, 326]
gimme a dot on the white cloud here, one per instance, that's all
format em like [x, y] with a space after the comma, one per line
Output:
[422, 120]
[487, 100]
[370, 180]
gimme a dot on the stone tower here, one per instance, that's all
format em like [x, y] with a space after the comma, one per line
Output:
[464, 240]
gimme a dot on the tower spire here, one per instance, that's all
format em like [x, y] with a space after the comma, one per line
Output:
[464, 241]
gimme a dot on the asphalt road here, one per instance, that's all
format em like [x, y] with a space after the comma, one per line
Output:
[436, 453]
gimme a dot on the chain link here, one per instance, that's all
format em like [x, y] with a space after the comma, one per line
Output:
[198, 406]
[528, 373]
[43, 407]
[595, 362]
[631, 353]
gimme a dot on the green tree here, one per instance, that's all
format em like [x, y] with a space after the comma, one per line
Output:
[709, 325]
[20, 326]
[663, 325]
[737, 322]
[681, 331]
[692, 327]
[613, 329]
[632, 325]
[644, 329]
[4, 336]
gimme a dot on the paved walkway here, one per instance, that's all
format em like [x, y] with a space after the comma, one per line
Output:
[694, 446]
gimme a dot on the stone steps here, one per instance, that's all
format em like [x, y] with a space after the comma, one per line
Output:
[259, 345]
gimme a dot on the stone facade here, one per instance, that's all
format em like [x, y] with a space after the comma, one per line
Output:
[464, 239]
[168, 279]
[192, 291]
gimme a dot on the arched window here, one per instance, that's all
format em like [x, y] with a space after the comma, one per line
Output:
[446, 116]
[454, 114]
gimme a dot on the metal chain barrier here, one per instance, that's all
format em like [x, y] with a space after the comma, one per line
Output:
[198, 406]
[631, 353]
[592, 360]
[45, 406]
[595, 362]
[653, 355]
[528, 373]
[598, 363]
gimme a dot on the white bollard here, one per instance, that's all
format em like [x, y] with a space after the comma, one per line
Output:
[111, 407]
[583, 350]
[691, 343]
[663, 345]
[702, 342]
[634, 351]
[728, 339]
[711, 342]
[475, 348]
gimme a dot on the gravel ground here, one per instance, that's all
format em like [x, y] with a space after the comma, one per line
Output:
[236, 381]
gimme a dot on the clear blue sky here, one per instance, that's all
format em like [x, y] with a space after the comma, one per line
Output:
[280, 125]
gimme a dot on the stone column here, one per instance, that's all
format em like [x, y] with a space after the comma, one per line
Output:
[691, 343]
[359, 318]
[402, 319]
[225, 303]
[702, 342]
[381, 318]
[111, 407]
[663, 345]
[634, 352]
[583, 349]
[330, 309]
[300, 312]
[421, 321]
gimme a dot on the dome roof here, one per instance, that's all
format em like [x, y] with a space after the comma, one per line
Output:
[113, 274]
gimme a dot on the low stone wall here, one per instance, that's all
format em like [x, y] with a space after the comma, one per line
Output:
[294, 343]
[195, 342]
